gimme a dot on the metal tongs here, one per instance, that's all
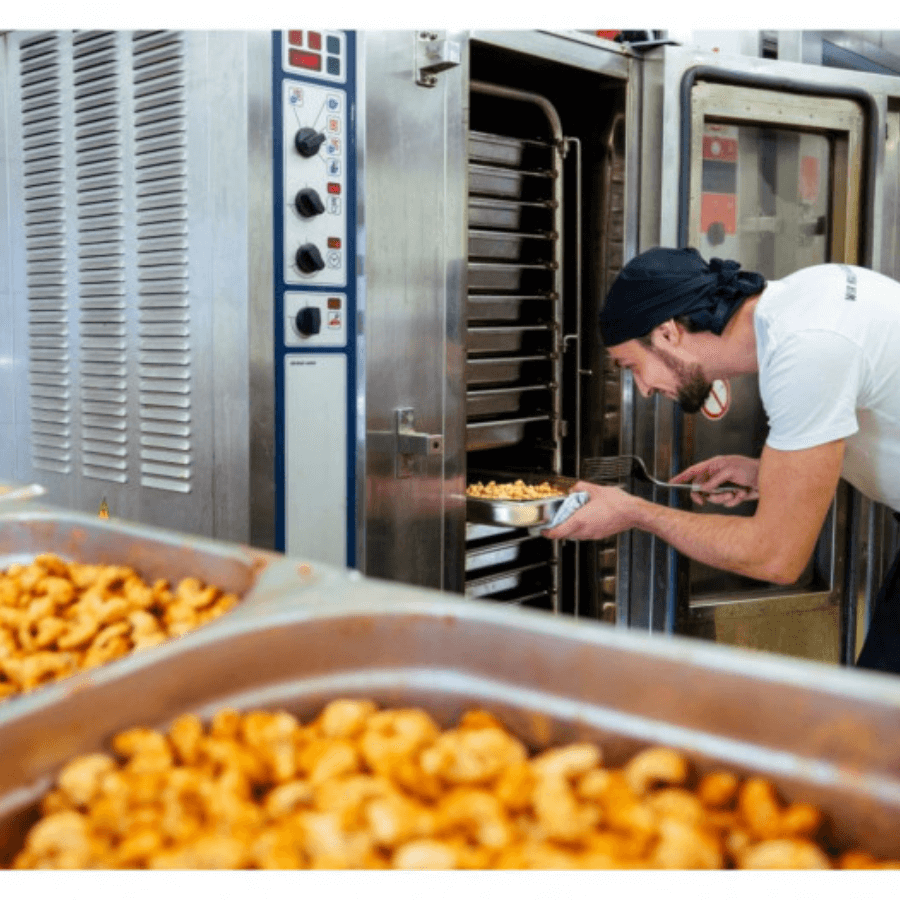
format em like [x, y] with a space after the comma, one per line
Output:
[23, 493]
[618, 468]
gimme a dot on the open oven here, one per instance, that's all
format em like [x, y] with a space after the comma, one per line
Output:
[298, 289]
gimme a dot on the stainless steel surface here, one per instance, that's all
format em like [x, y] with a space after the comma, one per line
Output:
[515, 513]
[31, 528]
[414, 288]
[127, 155]
[9, 494]
[822, 735]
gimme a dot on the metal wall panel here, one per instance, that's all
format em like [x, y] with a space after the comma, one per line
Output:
[125, 155]
[414, 163]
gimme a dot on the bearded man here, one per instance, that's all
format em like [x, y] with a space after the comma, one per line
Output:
[825, 344]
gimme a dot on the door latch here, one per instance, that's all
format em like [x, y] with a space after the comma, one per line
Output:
[434, 54]
[411, 443]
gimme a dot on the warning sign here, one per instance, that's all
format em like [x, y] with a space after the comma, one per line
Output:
[718, 401]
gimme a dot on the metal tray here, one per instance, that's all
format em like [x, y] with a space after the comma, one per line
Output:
[496, 244]
[28, 529]
[482, 404]
[517, 513]
[510, 338]
[495, 433]
[494, 277]
[496, 182]
[506, 553]
[508, 307]
[152, 552]
[512, 586]
[495, 149]
[509, 276]
[495, 213]
[822, 734]
[512, 370]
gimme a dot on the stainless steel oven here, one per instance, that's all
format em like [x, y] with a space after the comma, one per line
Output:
[298, 288]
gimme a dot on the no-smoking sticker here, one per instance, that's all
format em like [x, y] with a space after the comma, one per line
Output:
[717, 402]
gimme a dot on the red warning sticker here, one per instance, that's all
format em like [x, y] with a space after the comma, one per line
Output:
[719, 400]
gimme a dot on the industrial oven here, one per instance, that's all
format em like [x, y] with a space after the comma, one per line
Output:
[296, 289]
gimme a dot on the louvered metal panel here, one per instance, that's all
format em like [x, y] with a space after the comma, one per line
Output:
[99, 168]
[162, 255]
[129, 338]
[45, 253]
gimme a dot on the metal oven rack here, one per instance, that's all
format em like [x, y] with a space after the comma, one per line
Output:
[514, 378]
[612, 249]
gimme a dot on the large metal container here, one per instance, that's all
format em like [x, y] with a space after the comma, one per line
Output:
[27, 530]
[825, 735]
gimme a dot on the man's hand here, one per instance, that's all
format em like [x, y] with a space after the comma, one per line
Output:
[774, 544]
[720, 470]
[607, 512]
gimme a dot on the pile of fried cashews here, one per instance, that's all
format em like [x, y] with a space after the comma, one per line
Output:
[361, 787]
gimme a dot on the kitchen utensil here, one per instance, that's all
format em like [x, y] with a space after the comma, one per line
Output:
[618, 468]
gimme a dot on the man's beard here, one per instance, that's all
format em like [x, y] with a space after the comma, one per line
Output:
[693, 388]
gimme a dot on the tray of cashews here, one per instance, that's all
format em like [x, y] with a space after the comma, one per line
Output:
[338, 722]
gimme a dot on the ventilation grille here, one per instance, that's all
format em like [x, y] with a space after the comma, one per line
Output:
[161, 195]
[45, 255]
[102, 332]
[106, 215]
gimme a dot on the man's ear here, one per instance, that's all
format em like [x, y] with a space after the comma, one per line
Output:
[667, 333]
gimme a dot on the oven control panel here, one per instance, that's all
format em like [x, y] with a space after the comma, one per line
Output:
[315, 306]
[315, 184]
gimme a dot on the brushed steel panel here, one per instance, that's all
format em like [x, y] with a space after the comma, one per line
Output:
[414, 267]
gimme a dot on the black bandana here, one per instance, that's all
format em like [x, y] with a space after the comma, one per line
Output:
[663, 283]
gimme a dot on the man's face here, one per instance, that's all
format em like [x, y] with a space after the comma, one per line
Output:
[658, 370]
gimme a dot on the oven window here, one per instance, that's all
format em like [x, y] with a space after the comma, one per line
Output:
[765, 197]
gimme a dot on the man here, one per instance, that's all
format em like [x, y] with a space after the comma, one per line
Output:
[825, 343]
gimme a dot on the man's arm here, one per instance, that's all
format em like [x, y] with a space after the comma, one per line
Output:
[795, 490]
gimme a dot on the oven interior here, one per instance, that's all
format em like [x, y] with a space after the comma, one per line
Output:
[545, 238]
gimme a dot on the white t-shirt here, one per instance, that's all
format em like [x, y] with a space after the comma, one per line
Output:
[828, 346]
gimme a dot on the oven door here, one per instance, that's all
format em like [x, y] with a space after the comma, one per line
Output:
[774, 165]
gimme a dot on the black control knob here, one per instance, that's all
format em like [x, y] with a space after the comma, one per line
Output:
[309, 259]
[309, 320]
[308, 140]
[309, 203]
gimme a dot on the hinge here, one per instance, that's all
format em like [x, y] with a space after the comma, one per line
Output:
[434, 54]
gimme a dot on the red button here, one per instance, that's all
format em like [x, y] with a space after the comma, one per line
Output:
[305, 60]
[334, 243]
[334, 187]
[315, 40]
[296, 38]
